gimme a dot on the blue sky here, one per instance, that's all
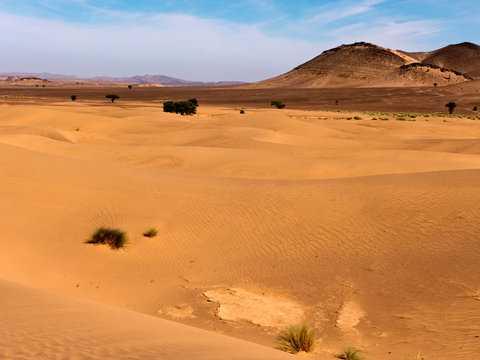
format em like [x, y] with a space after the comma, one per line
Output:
[216, 40]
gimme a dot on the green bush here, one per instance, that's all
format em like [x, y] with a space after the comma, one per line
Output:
[278, 104]
[169, 106]
[115, 238]
[297, 338]
[185, 108]
[112, 97]
[180, 107]
[194, 102]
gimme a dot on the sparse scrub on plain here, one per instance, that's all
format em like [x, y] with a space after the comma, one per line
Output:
[73, 97]
[298, 338]
[277, 103]
[115, 238]
[150, 233]
[351, 354]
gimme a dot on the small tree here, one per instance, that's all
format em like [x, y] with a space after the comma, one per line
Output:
[129, 87]
[185, 108]
[169, 106]
[435, 84]
[73, 97]
[278, 104]
[194, 102]
[475, 108]
[451, 105]
[112, 97]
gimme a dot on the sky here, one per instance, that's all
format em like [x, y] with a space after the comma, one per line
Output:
[216, 40]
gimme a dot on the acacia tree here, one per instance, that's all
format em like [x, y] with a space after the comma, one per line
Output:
[112, 97]
[451, 105]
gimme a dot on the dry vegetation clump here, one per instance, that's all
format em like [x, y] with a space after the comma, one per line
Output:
[297, 338]
[278, 104]
[351, 354]
[115, 238]
[150, 233]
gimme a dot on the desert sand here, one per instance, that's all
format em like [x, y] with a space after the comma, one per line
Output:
[367, 229]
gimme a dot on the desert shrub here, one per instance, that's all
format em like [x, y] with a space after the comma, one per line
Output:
[297, 338]
[129, 87]
[435, 84]
[357, 118]
[169, 106]
[194, 102]
[73, 97]
[185, 108]
[180, 107]
[351, 354]
[115, 238]
[278, 104]
[150, 233]
[451, 105]
[475, 108]
[401, 119]
[242, 111]
[112, 97]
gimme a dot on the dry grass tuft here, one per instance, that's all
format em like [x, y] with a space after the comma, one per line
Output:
[298, 338]
[150, 233]
[351, 354]
[115, 238]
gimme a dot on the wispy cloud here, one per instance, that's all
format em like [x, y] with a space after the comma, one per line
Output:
[342, 10]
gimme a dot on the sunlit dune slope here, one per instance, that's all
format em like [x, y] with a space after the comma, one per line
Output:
[42, 325]
[365, 228]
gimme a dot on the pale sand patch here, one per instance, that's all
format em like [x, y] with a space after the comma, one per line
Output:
[349, 316]
[181, 311]
[265, 310]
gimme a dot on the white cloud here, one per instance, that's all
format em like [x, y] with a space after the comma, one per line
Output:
[170, 44]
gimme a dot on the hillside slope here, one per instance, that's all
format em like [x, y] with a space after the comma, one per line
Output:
[363, 64]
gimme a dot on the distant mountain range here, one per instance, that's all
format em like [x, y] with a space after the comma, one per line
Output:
[105, 80]
[364, 64]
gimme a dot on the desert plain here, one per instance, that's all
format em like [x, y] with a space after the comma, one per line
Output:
[359, 217]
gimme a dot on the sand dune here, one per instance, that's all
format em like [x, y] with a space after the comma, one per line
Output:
[41, 325]
[366, 228]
